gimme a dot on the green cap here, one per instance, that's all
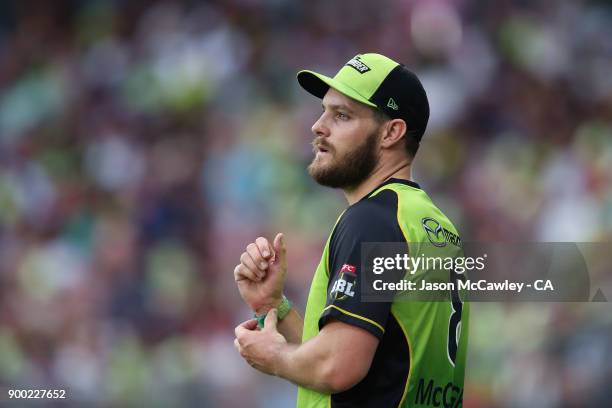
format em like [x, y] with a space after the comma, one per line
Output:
[379, 82]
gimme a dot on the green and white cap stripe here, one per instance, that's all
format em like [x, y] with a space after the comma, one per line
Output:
[379, 82]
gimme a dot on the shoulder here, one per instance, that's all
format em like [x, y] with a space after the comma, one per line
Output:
[371, 219]
[380, 207]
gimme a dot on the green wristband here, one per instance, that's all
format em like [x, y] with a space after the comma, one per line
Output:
[282, 310]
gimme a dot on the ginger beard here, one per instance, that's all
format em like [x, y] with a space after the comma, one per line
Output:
[344, 170]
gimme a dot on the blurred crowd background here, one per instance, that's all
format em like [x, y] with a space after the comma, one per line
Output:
[144, 144]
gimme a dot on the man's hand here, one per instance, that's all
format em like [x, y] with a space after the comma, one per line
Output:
[261, 273]
[261, 349]
[333, 361]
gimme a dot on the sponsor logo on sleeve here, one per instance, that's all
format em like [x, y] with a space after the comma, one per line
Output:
[344, 286]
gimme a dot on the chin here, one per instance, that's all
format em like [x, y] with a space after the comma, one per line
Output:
[320, 165]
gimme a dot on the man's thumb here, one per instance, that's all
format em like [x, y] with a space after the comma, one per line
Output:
[279, 245]
[271, 319]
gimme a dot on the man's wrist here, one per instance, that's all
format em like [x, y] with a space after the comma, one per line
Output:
[263, 310]
[282, 310]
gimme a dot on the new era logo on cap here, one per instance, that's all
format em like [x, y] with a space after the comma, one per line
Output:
[391, 104]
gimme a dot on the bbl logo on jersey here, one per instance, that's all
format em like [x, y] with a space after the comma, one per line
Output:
[344, 286]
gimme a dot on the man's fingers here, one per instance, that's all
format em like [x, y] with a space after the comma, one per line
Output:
[258, 260]
[271, 318]
[241, 332]
[248, 262]
[241, 272]
[240, 349]
[265, 249]
[250, 324]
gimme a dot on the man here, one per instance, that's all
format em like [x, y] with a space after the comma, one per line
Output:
[347, 352]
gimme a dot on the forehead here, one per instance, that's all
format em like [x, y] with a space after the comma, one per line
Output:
[335, 99]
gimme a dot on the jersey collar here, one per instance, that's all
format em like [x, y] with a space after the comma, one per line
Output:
[393, 180]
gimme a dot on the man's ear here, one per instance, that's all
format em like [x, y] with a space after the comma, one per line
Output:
[394, 132]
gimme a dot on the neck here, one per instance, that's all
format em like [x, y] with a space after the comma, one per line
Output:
[378, 176]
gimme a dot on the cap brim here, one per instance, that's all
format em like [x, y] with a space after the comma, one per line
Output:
[318, 85]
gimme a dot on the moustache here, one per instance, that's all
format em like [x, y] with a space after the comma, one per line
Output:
[318, 143]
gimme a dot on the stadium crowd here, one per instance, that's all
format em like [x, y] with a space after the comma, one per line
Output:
[144, 144]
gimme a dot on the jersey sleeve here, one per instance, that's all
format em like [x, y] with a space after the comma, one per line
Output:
[370, 220]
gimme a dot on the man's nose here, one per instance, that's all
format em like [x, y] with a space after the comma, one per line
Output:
[319, 128]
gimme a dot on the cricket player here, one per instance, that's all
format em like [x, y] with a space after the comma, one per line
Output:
[346, 352]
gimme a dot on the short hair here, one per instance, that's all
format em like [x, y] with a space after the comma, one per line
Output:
[412, 136]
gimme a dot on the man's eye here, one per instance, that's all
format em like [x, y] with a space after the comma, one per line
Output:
[342, 116]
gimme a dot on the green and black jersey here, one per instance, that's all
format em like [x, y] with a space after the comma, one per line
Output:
[420, 360]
